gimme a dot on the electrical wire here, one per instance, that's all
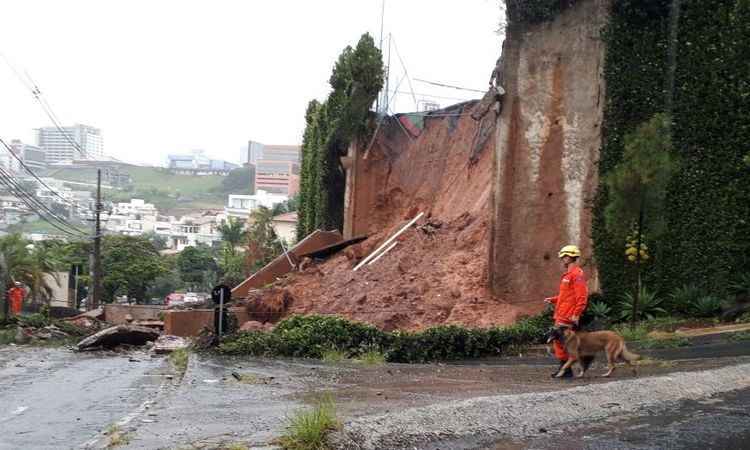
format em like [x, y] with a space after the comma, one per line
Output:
[31, 201]
[29, 83]
[435, 83]
[23, 164]
[33, 204]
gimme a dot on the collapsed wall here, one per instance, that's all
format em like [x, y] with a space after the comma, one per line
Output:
[548, 142]
[437, 273]
[500, 195]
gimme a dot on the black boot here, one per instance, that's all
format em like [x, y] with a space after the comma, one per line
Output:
[567, 374]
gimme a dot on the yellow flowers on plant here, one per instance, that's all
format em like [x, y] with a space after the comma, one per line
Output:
[633, 251]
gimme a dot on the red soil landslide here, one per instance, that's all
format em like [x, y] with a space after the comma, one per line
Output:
[438, 271]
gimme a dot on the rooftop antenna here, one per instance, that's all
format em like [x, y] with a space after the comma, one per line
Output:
[380, 47]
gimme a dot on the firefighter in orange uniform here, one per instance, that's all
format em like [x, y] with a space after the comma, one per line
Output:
[570, 301]
[15, 297]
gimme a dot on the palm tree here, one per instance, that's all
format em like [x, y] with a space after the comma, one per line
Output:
[232, 233]
[33, 265]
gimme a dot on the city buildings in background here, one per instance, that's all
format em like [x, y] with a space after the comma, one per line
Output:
[68, 144]
[277, 167]
[255, 151]
[30, 155]
[240, 206]
[197, 163]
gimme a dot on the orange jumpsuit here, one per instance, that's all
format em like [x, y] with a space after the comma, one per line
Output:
[571, 301]
[15, 296]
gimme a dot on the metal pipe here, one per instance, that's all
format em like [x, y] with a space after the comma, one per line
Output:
[388, 242]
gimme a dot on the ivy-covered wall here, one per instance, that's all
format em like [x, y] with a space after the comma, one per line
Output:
[707, 241]
[709, 208]
[634, 72]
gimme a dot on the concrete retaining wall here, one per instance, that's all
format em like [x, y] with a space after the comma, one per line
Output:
[115, 314]
[190, 323]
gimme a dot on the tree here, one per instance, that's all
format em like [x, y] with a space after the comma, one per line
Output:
[159, 240]
[32, 264]
[263, 244]
[331, 127]
[637, 189]
[232, 233]
[130, 264]
[286, 206]
[197, 267]
[239, 181]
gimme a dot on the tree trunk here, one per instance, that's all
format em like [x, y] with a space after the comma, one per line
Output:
[638, 243]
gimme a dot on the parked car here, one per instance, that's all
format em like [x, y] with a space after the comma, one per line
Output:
[174, 299]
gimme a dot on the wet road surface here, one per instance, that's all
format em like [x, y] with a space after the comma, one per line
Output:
[54, 399]
[720, 422]
[57, 399]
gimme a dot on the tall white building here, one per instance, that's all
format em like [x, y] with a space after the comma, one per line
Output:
[58, 148]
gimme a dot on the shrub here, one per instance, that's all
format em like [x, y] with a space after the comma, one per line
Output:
[648, 305]
[599, 310]
[741, 286]
[707, 306]
[682, 298]
[314, 336]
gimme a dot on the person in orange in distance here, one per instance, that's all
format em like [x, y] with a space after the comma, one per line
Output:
[15, 297]
[570, 302]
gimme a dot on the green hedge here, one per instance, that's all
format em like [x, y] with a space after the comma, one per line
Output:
[709, 211]
[634, 71]
[535, 11]
[311, 336]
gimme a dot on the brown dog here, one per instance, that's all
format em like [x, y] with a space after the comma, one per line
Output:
[582, 345]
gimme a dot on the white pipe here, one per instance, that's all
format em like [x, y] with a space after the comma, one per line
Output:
[388, 242]
[383, 252]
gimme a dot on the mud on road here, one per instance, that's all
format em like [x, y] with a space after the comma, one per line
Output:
[55, 398]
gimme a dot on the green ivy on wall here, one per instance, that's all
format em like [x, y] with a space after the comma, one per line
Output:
[535, 11]
[708, 204]
[331, 126]
[634, 72]
[709, 211]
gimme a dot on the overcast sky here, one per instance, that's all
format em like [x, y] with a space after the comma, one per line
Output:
[168, 76]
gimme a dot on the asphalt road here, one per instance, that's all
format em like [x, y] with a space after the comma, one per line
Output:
[53, 398]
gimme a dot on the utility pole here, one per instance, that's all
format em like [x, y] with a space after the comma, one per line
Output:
[95, 292]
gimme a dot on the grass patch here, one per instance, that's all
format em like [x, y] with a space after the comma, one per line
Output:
[639, 333]
[307, 429]
[116, 436]
[179, 359]
[651, 344]
[739, 337]
[372, 357]
[7, 336]
[333, 355]
[234, 446]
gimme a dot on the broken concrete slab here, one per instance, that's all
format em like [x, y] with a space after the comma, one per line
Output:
[168, 343]
[281, 265]
[117, 335]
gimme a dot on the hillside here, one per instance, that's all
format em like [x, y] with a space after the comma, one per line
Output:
[171, 193]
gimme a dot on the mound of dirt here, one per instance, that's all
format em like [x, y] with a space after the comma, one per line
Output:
[438, 271]
[436, 274]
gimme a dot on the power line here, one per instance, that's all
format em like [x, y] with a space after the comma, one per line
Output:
[46, 107]
[449, 86]
[35, 205]
[408, 79]
[431, 95]
[31, 200]
[10, 150]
